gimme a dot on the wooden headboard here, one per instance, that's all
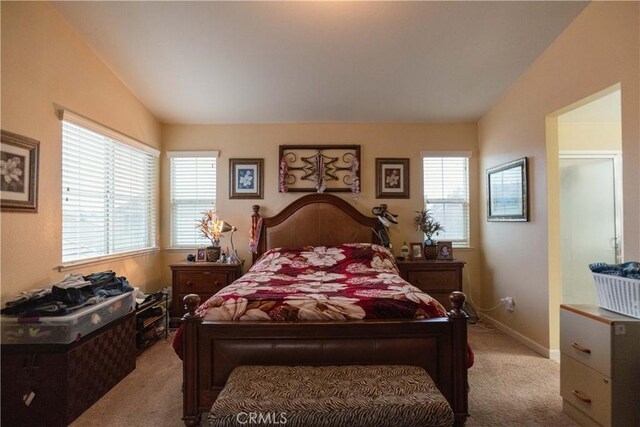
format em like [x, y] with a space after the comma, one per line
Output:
[316, 220]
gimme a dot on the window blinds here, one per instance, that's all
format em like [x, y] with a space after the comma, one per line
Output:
[446, 195]
[109, 195]
[193, 191]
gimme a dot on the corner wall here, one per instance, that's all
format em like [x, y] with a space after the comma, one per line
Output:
[44, 62]
[597, 50]
[376, 140]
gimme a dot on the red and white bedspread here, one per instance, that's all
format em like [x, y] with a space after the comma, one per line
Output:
[347, 282]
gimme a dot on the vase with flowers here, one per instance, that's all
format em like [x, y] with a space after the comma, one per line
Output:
[426, 223]
[210, 227]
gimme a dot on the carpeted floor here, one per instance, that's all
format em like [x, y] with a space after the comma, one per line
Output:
[510, 385]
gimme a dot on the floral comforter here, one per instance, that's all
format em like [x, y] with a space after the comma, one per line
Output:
[346, 282]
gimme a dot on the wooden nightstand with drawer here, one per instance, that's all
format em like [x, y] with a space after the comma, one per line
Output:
[438, 278]
[599, 358]
[202, 278]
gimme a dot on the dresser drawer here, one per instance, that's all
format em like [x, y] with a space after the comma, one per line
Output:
[586, 340]
[200, 281]
[434, 280]
[586, 389]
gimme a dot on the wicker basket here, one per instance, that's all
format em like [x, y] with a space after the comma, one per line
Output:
[618, 294]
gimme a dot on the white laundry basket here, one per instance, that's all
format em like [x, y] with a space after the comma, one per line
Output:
[619, 294]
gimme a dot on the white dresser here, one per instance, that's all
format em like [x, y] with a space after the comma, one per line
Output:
[599, 366]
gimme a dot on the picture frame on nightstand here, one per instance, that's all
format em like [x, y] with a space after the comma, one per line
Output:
[415, 251]
[445, 250]
[201, 254]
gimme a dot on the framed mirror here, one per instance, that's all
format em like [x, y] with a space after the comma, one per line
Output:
[507, 198]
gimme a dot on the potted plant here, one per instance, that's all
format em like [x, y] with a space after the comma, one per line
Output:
[426, 223]
[210, 227]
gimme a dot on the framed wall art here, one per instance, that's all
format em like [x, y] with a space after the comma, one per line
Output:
[392, 178]
[19, 158]
[246, 178]
[507, 196]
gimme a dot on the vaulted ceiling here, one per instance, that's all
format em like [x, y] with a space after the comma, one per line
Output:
[257, 62]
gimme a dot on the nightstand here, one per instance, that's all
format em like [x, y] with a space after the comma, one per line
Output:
[202, 278]
[438, 278]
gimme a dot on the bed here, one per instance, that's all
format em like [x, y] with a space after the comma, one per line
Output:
[229, 330]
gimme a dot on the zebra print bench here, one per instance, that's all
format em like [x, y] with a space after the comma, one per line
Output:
[367, 396]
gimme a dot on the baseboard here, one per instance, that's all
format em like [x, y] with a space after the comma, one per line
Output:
[554, 355]
[521, 338]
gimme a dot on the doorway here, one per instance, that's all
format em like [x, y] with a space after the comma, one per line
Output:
[584, 199]
[589, 220]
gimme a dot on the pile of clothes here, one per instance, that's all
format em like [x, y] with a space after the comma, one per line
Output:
[630, 270]
[73, 292]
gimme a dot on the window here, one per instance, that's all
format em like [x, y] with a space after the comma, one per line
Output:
[193, 191]
[446, 194]
[109, 188]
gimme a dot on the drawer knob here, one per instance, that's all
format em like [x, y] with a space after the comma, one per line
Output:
[189, 283]
[581, 348]
[418, 282]
[216, 283]
[580, 395]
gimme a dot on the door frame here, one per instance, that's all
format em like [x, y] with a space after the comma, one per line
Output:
[616, 156]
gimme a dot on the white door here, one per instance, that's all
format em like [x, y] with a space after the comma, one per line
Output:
[587, 222]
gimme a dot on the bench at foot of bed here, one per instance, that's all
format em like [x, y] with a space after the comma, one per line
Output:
[378, 395]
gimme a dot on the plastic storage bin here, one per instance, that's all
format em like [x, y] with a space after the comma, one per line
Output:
[618, 294]
[65, 329]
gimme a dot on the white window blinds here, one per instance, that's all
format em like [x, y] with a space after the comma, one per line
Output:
[109, 194]
[446, 194]
[193, 191]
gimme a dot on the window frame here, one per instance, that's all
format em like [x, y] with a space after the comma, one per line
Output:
[457, 244]
[188, 154]
[117, 138]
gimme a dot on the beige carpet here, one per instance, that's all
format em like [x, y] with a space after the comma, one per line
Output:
[510, 386]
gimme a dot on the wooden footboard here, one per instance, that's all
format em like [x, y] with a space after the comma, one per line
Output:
[213, 349]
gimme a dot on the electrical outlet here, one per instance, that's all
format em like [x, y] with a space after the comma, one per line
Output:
[507, 303]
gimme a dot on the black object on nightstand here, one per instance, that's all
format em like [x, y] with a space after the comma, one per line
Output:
[152, 320]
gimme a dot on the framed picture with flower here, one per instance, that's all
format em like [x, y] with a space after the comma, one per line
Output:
[245, 178]
[392, 178]
[19, 168]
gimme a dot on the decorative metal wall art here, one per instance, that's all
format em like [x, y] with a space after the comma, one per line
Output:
[320, 168]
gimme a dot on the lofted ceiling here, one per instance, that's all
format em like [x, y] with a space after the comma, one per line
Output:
[265, 62]
[604, 109]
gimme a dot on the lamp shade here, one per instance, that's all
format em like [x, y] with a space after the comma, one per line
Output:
[227, 227]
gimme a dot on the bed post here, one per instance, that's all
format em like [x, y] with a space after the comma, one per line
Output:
[256, 228]
[191, 321]
[460, 386]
